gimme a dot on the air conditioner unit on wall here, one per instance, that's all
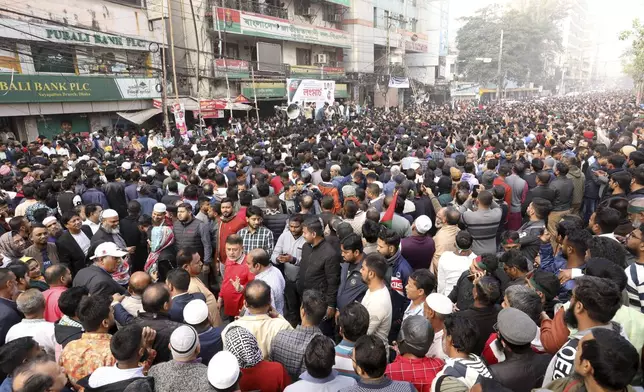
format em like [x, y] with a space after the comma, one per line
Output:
[321, 58]
[336, 18]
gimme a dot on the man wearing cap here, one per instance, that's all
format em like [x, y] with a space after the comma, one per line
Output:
[110, 232]
[411, 365]
[436, 307]
[418, 249]
[183, 372]
[195, 313]
[223, 372]
[159, 217]
[523, 369]
[98, 276]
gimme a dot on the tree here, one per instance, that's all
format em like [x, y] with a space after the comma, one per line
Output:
[633, 58]
[531, 38]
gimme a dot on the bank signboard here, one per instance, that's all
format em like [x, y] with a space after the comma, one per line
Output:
[29, 31]
[248, 23]
[71, 88]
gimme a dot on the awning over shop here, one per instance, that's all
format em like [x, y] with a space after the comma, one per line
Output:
[141, 116]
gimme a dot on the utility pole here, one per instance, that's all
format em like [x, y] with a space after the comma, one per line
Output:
[388, 64]
[221, 56]
[174, 64]
[500, 76]
[164, 82]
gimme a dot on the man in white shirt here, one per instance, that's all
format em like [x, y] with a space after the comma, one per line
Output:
[93, 213]
[437, 306]
[128, 347]
[452, 264]
[420, 284]
[377, 299]
[32, 304]
[260, 265]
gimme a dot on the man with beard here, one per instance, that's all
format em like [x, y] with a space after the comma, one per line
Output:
[635, 271]
[54, 229]
[59, 279]
[377, 299]
[593, 304]
[352, 288]
[193, 233]
[228, 224]
[44, 252]
[110, 231]
[604, 361]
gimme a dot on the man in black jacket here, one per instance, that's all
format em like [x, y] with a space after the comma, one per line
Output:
[156, 303]
[523, 369]
[115, 192]
[129, 228]
[274, 220]
[541, 190]
[73, 245]
[97, 277]
[177, 282]
[319, 269]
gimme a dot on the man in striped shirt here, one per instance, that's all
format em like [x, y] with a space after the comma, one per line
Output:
[353, 322]
[635, 271]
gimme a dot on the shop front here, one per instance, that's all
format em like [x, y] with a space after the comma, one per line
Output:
[47, 104]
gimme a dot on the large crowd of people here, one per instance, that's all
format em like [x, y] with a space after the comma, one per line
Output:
[441, 248]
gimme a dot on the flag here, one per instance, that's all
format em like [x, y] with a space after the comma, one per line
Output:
[388, 217]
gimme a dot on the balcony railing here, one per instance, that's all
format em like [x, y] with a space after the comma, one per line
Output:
[252, 6]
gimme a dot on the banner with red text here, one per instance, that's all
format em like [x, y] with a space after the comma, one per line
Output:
[308, 90]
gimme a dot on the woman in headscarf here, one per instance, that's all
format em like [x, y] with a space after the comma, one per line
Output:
[162, 253]
[12, 246]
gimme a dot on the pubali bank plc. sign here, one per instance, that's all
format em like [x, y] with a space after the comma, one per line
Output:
[98, 39]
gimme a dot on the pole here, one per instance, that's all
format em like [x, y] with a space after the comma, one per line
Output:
[174, 64]
[388, 66]
[194, 23]
[164, 82]
[221, 56]
[252, 78]
[498, 87]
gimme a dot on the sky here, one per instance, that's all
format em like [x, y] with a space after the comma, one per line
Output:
[608, 18]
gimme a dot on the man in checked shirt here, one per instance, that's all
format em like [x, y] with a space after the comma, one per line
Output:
[255, 235]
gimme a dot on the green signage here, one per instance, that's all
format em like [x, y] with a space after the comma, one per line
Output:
[346, 3]
[264, 89]
[72, 88]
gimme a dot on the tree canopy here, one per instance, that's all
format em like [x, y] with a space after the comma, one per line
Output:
[633, 63]
[531, 38]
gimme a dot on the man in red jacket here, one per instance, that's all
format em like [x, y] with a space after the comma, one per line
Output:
[228, 224]
[236, 276]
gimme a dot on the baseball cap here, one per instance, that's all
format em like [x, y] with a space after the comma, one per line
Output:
[516, 327]
[195, 312]
[223, 370]
[184, 342]
[108, 249]
[423, 224]
[439, 303]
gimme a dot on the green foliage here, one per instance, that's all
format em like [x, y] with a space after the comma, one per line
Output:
[633, 59]
[531, 38]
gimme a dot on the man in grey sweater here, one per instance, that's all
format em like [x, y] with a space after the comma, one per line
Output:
[482, 223]
[182, 373]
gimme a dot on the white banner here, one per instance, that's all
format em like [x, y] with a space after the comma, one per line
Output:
[179, 112]
[398, 82]
[138, 88]
[309, 90]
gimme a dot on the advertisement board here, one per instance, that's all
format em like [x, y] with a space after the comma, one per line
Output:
[18, 88]
[179, 112]
[309, 90]
[248, 23]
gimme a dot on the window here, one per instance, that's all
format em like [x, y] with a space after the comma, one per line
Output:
[331, 58]
[302, 56]
[138, 63]
[50, 59]
[375, 17]
[302, 8]
[413, 25]
[232, 51]
[329, 13]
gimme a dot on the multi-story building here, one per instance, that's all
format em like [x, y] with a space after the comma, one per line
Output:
[254, 46]
[575, 60]
[72, 64]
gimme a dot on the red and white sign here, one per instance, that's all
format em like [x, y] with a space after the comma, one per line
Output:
[310, 90]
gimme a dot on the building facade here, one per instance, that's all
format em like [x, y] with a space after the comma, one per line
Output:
[73, 64]
[252, 47]
[576, 59]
